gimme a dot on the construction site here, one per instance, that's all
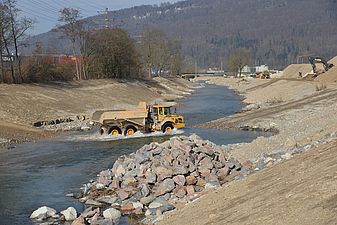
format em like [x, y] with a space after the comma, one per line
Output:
[299, 107]
[284, 177]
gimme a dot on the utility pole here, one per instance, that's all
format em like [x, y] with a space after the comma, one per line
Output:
[106, 18]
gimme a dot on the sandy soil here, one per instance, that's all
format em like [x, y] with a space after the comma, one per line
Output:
[23, 105]
[301, 190]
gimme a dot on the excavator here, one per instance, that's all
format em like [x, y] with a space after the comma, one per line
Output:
[314, 60]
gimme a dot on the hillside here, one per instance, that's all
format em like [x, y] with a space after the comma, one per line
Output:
[276, 31]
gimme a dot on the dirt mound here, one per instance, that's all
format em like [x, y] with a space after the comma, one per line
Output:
[333, 60]
[294, 70]
[331, 75]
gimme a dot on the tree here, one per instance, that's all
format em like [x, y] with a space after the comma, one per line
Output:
[2, 46]
[72, 28]
[176, 58]
[238, 60]
[12, 30]
[18, 29]
[160, 53]
[114, 54]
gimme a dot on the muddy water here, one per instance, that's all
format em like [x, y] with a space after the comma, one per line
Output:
[37, 174]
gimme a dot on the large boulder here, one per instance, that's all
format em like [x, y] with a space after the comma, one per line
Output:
[164, 187]
[43, 213]
[69, 214]
[113, 214]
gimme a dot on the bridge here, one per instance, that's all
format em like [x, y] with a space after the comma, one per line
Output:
[193, 75]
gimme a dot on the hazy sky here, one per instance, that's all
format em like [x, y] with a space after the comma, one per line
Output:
[45, 12]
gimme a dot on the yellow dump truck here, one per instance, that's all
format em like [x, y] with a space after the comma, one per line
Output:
[145, 118]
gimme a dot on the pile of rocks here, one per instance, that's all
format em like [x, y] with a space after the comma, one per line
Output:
[49, 216]
[78, 123]
[160, 177]
[155, 179]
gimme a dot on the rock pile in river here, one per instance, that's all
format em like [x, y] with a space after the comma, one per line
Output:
[160, 177]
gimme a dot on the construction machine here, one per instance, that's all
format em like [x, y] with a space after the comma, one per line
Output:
[145, 118]
[314, 60]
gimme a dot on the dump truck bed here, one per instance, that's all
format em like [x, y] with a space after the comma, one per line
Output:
[136, 116]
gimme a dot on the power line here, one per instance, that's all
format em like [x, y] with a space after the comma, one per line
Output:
[33, 7]
[67, 4]
[37, 14]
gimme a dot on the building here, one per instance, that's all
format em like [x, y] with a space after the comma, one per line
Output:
[255, 69]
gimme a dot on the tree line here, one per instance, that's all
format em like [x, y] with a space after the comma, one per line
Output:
[96, 53]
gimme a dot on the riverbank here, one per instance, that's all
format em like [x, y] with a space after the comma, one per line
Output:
[303, 116]
[297, 191]
[57, 107]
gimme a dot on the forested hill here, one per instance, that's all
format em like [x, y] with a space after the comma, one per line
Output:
[276, 31]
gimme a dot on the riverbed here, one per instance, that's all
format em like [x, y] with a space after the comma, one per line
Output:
[37, 174]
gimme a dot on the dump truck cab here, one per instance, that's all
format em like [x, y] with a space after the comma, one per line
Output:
[164, 119]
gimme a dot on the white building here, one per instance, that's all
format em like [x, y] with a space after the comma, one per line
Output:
[255, 69]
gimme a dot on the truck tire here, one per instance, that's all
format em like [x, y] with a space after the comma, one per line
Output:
[167, 128]
[103, 130]
[114, 130]
[130, 130]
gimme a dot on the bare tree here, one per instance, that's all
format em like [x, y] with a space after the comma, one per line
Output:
[72, 28]
[176, 57]
[2, 30]
[6, 41]
[160, 52]
[12, 30]
[238, 60]
[18, 30]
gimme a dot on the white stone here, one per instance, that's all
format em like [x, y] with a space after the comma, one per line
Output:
[70, 214]
[137, 205]
[155, 205]
[42, 213]
[113, 214]
[286, 156]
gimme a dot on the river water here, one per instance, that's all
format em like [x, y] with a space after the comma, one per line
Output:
[38, 174]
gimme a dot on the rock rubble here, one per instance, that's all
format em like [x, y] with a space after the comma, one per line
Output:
[162, 177]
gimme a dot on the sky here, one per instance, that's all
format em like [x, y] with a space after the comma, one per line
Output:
[46, 12]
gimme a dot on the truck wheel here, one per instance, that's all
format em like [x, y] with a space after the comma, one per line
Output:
[167, 128]
[102, 130]
[130, 130]
[114, 130]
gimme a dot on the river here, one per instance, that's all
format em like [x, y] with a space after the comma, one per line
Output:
[42, 173]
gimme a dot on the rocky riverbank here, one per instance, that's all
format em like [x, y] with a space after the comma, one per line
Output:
[304, 118]
[156, 179]
[159, 178]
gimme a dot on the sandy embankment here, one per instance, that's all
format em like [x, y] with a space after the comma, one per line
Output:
[300, 113]
[301, 190]
[23, 105]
